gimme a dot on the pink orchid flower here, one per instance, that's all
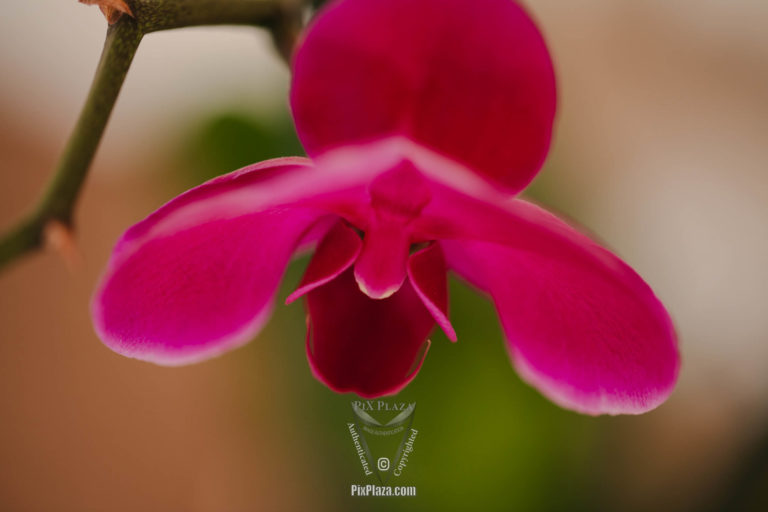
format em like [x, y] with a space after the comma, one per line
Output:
[423, 119]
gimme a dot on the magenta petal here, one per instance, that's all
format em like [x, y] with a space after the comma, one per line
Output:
[367, 346]
[336, 253]
[427, 272]
[582, 326]
[198, 276]
[216, 188]
[471, 79]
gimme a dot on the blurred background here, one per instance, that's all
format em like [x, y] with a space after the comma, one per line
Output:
[661, 149]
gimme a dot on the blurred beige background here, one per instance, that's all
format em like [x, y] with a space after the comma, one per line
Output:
[661, 149]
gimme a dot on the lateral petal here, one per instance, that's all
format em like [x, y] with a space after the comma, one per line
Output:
[198, 276]
[582, 326]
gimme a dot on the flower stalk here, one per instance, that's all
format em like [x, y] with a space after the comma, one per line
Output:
[57, 204]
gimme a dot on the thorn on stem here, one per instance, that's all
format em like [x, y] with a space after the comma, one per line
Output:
[60, 238]
[112, 9]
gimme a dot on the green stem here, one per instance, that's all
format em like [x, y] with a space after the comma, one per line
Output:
[282, 17]
[58, 201]
[122, 41]
[154, 15]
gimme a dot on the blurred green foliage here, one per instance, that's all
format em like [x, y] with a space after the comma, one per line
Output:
[229, 140]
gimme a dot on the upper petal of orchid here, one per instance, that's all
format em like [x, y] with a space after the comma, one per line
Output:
[198, 276]
[471, 79]
[372, 347]
[582, 326]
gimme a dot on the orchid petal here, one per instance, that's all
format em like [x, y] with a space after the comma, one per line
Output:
[367, 346]
[198, 276]
[471, 79]
[582, 326]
